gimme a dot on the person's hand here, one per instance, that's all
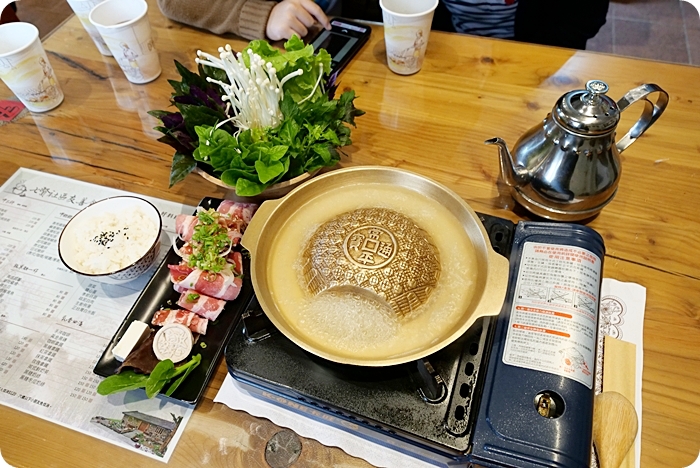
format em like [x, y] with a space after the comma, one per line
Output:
[291, 17]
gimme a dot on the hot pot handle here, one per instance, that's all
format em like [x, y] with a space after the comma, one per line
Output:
[252, 232]
[652, 111]
[496, 284]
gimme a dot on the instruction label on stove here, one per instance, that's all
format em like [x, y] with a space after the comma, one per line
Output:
[554, 317]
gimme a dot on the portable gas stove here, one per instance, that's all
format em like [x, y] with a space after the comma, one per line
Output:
[460, 406]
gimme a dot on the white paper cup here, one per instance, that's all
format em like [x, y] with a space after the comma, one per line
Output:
[82, 9]
[124, 26]
[25, 68]
[406, 31]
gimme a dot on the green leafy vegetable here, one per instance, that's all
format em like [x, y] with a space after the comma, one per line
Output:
[306, 141]
[127, 380]
[277, 139]
[297, 56]
[160, 375]
[153, 383]
[183, 164]
[184, 371]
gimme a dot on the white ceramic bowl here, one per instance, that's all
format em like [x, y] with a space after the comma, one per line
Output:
[69, 243]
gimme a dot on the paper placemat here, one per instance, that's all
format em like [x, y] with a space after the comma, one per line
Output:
[54, 325]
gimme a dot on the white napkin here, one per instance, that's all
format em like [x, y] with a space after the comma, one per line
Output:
[235, 397]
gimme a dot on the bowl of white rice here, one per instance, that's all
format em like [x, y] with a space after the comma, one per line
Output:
[113, 240]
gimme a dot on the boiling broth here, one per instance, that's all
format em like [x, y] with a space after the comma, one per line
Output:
[356, 325]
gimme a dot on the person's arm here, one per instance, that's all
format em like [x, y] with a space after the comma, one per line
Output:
[245, 18]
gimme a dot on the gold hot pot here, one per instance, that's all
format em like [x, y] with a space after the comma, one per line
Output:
[491, 276]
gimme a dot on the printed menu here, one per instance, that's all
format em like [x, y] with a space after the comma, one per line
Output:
[55, 325]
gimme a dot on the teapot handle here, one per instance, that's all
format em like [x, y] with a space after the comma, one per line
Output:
[652, 111]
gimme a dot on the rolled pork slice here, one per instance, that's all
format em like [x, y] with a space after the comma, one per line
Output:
[184, 226]
[195, 323]
[235, 235]
[236, 260]
[223, 285]
[200, 304]
[237, 210]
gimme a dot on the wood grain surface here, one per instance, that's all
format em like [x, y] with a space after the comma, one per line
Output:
[619, 375]
[434, 123]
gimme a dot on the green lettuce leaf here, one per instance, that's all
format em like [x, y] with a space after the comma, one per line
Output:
[296, 56]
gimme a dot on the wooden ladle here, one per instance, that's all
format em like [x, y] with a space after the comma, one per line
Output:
[614, 428]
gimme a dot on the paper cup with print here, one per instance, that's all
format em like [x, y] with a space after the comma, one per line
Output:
[406, 30]
[82, 9]
[124, 26]
[25, 68]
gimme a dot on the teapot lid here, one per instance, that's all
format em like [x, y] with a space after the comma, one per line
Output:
[587, 111]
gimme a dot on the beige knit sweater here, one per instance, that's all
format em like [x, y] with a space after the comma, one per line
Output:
[245, 18]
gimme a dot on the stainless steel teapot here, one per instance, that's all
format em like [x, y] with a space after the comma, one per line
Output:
[568, 167]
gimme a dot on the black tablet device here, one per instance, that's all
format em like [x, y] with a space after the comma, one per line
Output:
[343, 41]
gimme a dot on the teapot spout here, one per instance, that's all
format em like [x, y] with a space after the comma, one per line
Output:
[513, 176]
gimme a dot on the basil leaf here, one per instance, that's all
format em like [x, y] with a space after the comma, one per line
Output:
[295, 167]
[289, 108]
[331, 136]
[288, 131]
[158, 114]
[127, 380]
[216, 73]
[182, 165]
[315, 131]
[322, 150]
[176, 142]
[347, 107]
[181, 89]
[190, 78]
[199, 116]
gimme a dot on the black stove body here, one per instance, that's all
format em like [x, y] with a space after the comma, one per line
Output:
[461, 406]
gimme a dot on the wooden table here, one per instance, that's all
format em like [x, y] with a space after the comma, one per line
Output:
[434, 123]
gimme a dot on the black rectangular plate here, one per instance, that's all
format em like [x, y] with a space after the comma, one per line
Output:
[159, 293]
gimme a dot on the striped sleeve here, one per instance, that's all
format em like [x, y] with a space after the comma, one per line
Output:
[493, 18]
